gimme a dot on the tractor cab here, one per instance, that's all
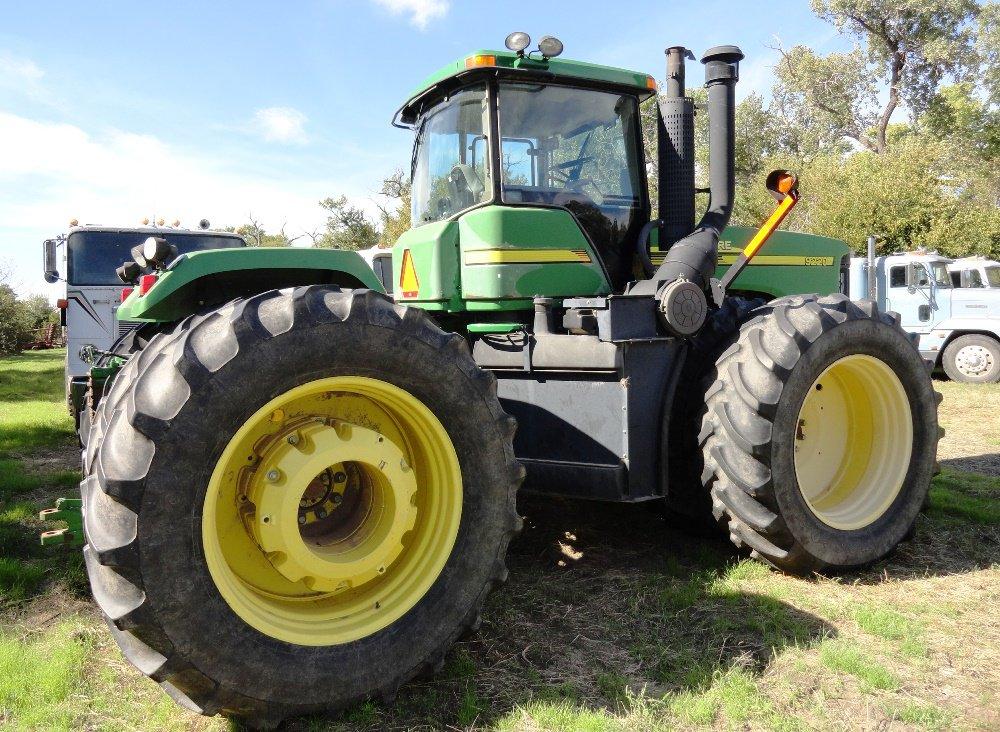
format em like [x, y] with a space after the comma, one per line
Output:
[499, 133]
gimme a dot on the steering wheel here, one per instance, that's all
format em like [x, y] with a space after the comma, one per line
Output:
[577, 164]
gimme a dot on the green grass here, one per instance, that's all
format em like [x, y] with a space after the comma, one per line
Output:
[650, 629]
[925, 716]
[34, 402]
[847, 657]
[963, 497]
[33, 421]
[38, 677]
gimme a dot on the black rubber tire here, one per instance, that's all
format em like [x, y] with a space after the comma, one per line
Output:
[991, 376]
[748, 431]
[128, 343]
[686, 501]
[157, 437]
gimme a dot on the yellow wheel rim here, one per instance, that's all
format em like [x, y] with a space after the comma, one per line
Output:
[332, 511]
[853, 441]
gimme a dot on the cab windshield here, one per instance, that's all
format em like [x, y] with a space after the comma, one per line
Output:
[451, 158]
[578, 149]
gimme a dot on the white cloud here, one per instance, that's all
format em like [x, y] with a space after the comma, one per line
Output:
[421, 12]
[280, 124]
[51, 172]
[21, 75]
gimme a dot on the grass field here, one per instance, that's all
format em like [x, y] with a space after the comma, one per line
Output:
[610, 620]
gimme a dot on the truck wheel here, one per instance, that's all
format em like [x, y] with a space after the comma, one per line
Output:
[298, 501]
[688, 504]
[973, 359]
[820, 434]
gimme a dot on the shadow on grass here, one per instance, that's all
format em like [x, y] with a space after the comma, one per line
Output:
[604, 605]
[26, 567]
[44, 383]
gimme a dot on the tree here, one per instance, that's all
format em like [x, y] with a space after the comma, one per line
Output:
[906, 49]
[255, 235]
[394, 214]
[19, 318]
[347, 226]
[989, 49]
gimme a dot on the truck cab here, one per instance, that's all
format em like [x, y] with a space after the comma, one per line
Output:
[84, 260]
[958, 327]
[975, 273]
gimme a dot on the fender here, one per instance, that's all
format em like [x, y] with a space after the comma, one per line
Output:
[932, 344]
[207, 278]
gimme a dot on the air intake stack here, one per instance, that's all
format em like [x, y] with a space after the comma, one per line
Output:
[681, 282]
[675, 152]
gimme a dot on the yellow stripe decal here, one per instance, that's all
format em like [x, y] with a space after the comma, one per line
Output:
[774, 260]
[526, 256]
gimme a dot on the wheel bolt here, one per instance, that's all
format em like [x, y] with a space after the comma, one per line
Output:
[273, 475]
[293, 439]
[337, 499]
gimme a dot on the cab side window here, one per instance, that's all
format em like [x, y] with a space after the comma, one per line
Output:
[975, 280]
[897, 276]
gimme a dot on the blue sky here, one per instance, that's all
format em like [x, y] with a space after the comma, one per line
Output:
[112, 111]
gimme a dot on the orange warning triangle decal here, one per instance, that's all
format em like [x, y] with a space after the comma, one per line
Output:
[408, 283]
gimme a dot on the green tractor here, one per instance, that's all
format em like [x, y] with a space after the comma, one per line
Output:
[299, 491]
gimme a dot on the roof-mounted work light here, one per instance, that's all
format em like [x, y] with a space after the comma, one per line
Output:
[517, 42]
[550, 46]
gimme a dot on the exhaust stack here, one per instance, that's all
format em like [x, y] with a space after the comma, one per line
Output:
[675, 152]
[686, 273]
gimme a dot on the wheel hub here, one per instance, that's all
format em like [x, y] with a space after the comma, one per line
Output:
[332, 510]
[974, 360]
[309, 536]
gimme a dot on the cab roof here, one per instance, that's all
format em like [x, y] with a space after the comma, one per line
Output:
[509, 65]
[150, 230]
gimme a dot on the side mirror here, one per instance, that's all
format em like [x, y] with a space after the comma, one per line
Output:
[50, 261]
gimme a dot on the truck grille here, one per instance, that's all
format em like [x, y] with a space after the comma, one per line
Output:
[124, 326]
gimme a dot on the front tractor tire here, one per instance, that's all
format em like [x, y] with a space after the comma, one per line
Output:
[297, 502]
[820, 434]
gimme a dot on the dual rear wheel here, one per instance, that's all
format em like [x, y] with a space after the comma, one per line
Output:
[818, 434]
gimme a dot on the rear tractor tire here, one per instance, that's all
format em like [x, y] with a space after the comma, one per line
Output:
[297, 502]
[820, 434]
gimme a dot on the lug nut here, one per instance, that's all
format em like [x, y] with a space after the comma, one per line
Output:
[273, 474]
[337, 499]
[293, 439]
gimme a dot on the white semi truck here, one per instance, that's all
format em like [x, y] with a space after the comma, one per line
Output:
[975, 272]
[85, 260]
[958, 327]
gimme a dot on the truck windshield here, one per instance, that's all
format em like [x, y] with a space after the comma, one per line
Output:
[941, 276]
[93, 256]
[993, 276]
[578, 149]
[451, 159]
